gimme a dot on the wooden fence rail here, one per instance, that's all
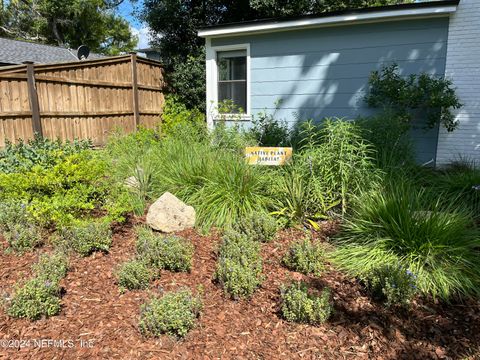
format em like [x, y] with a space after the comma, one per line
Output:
[80, 100]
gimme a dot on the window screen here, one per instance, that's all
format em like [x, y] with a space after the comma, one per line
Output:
[232, 77]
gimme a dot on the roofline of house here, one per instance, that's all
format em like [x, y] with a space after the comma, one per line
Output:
[372, 14]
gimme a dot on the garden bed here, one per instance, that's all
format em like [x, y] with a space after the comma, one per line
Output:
[94, 309]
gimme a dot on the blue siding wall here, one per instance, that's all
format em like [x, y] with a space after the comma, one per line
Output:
[322, 72]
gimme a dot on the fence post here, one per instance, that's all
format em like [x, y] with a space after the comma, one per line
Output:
[136, 112]
[33, 99]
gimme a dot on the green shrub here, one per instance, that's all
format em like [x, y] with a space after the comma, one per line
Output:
[51, 266]
[433, 95]
[164, 252]
[175, 313]
[268, 131]
[305, 256]
[301, 304]
[18, 227]
[400, 224]
[258, 226]
[239, 266]
[35, 298]
[394, 285]
[40, 296]
[133, 275]
[39, 151]
[175, 114]
[85, 237]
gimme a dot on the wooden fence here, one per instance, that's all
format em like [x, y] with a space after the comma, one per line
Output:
[84, 99]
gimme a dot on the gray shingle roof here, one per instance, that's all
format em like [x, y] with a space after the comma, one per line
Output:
[16, 52]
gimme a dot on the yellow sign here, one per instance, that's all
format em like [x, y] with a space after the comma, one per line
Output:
[268, 155]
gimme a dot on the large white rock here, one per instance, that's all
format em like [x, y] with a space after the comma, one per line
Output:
[169, 214]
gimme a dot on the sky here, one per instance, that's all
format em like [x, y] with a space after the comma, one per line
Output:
[126, 9]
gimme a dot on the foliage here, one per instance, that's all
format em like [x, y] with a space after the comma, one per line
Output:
[57, 182]
[394, 285]
[398, 224]
[169, 252]
[18, 228]
[268, 131]
[69, 24]
[174, 313]
[333, 163]
[301, 304]
[258, 226]
[175, 113]
[85, 237]
[388, 133]
[434, 96]
[239, 265]
[40, 295]
[277, 8]
[23, 156]
[133, 275]
[305, 256]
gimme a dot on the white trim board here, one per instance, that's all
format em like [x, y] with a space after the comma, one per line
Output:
[212, 77]
[376, 16]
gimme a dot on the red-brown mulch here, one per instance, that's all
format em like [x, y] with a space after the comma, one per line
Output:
[94, 309]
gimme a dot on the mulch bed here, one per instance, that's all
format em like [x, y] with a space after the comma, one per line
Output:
[95, 310]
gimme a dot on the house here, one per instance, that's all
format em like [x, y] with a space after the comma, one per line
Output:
[151, 53]
[15, 52]
[318, 66]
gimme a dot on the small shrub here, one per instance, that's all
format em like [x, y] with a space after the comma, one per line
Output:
[175, 114]
[51, 266]
[40, 296]
[85, 237]
[239, 266]
[18, 227]
[433, 95]
[164, 252]
[37, 297]
[301, 304]
[133, 275]
[394, 285]
[268, 131]
[175, 313]
[258, 226]
[306, 257]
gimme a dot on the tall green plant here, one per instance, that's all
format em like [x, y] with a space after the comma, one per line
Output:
[400, 225]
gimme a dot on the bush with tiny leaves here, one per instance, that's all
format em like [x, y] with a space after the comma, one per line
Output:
[175, 313]
[133, 275]
[305, 256]
[239, 267]
[394, 285]
[18, 228]
[172, 253]
[40, 295]
[303, 305]
[85, 237]
[258, 226]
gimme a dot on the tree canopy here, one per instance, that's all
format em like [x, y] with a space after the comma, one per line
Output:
[68, 23]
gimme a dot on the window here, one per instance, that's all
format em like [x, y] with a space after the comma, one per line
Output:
[232, 77]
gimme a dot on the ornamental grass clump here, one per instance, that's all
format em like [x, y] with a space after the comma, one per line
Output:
[40, 295]
[399, 224]
[166, 252]
[134, 275]
[258, 226]
[175, 313]
[85, 237]
[301, 304]
[305, 256]
[239, 265]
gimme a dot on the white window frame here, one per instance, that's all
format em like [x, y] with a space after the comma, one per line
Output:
[212, 83]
